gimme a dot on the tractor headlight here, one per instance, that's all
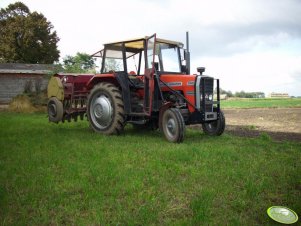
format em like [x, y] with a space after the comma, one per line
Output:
[210, 97]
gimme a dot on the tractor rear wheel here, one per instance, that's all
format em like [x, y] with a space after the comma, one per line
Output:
[215, 128]
[173, 125]
[105, 110]
[55, 110]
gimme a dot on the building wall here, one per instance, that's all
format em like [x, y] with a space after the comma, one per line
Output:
[13, 84]
[278, 95]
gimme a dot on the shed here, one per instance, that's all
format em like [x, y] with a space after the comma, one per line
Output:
[15, 78]
[278, 95]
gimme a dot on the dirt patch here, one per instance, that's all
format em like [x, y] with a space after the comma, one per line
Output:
[280, 123]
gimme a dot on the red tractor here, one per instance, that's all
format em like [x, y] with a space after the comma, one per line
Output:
[145, 82]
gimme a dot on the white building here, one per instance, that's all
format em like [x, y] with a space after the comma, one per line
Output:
[278, 95]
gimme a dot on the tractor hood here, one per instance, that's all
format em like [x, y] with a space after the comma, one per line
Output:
[177, 80]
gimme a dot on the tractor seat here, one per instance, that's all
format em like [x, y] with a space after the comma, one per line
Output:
[133, 73]
[135, 82]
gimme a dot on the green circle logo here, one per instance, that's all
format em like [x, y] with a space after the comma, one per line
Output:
[282, 214]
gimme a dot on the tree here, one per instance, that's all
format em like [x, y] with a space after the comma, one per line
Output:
[80, 63]
[26, 37]
[112, 65]
[221, 91]
[243, 94]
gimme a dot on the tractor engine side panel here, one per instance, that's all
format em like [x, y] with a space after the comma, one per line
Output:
[182, 83]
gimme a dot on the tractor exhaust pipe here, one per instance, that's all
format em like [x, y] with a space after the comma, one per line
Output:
[187, 53]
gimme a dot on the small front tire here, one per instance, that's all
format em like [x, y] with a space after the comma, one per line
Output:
[215, 128]
[173, 125]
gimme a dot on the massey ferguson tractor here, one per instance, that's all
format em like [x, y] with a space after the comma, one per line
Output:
[145, 82]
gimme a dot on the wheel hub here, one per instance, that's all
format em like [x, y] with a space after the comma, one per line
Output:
[171, 127]
[98, 111]
[209, 125]
[52, 110]
[102, 111]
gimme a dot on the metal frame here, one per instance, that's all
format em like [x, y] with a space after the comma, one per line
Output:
[197, 92]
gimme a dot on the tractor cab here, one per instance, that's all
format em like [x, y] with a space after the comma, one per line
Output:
[130, 56]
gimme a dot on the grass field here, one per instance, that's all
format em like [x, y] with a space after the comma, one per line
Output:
[67, 175]
[261, 103]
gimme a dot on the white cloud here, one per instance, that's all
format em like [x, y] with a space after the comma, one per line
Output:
[268, 72]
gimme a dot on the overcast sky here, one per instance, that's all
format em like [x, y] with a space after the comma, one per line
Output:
[251, 45]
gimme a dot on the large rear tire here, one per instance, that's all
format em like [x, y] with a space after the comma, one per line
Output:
[105, 110]
[173, 125]
[215, 128]
[55, 110]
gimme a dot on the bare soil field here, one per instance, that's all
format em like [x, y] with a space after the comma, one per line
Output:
[280, 123]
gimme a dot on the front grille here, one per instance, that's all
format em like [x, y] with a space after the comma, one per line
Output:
[208, 85]
[204, 97]
[206, 90]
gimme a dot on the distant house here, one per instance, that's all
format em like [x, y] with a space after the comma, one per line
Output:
[278, 95]
[222, 96]
[15, 78]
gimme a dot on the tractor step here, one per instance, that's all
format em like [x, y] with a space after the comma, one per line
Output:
[138, 114]
[140, 122]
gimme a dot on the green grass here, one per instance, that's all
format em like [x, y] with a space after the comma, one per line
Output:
[261, 103]
[67, 175]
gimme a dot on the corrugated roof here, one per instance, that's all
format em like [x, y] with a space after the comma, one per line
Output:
[16, 68]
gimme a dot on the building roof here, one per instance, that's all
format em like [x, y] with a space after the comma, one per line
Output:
[17, 68]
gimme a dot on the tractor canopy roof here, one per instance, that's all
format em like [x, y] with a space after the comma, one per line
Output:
[134, 46]
[138, 43]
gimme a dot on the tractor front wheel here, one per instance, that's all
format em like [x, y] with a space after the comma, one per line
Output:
[55, 110]
[105, 110]
[173, 125]
[215, 128]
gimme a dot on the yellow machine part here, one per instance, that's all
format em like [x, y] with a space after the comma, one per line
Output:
[55, 88]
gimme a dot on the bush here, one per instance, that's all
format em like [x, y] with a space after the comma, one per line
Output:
[38, 98]
[34, 93]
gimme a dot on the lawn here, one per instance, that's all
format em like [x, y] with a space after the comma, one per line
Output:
[261, 103]
[64, 174]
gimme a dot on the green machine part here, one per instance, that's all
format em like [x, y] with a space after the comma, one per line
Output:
[55, 88]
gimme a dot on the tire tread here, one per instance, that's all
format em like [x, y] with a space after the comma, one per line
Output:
[118, 122]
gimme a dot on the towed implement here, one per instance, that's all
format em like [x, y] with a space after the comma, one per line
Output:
[145, 82]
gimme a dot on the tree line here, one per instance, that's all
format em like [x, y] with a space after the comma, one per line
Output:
[242, 94]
